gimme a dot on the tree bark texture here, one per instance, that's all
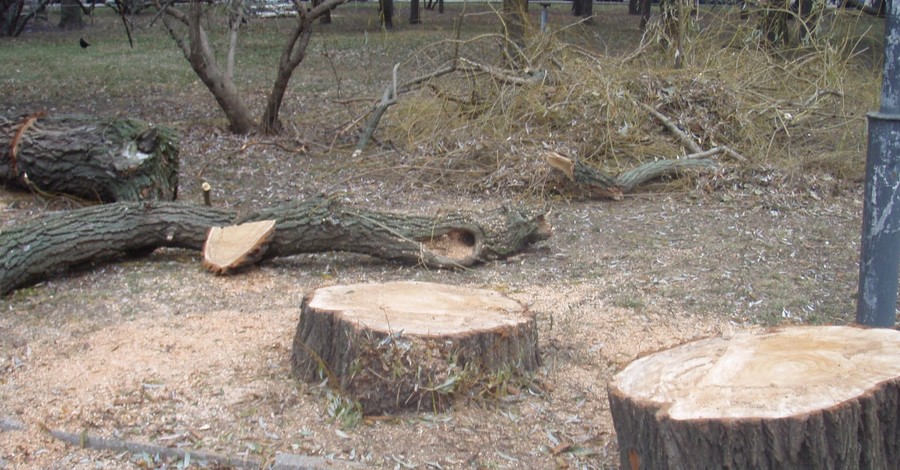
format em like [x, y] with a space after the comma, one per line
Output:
[410, 345]
[57, 241]
[386, 11]
[99, 159]
[795, 398]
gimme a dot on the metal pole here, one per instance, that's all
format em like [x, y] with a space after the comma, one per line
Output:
[879, 257]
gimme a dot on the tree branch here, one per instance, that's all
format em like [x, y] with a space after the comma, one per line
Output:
[685, 139]
[505, 76]
[236, 18]
[614, 187]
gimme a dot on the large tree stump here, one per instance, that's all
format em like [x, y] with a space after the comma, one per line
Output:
[405, 345]
[56, 241]
[98, 159]
[794, 398]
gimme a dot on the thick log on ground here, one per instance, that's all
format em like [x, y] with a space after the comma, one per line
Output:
[97, 159]
[410, 345]
[794, 398]
[57, 241]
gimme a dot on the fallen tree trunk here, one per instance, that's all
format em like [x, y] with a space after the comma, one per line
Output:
[794, 398]
[57, 241]
[615, 187]
[106, 160]
[411, 345]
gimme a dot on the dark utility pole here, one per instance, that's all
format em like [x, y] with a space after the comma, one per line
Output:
[880, 249]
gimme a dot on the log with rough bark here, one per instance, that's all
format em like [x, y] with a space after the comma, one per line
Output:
[97, 159]
[54, 242]
[792, 398]
[410, 345]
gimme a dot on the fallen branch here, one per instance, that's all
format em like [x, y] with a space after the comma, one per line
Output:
[685, 139]
[90, 441]
[10, 425]
[614, 187]
[688, 141]
[506, 76]
[57, 241]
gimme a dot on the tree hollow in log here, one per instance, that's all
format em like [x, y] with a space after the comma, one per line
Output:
[410, 345]
[794, 398]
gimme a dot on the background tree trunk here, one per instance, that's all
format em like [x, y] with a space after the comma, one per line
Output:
[414, 17]
[773, 22]
[634, 7]
[55, 242]
[386, 11]
[70, 15]
[98, 159]
[583, 8]
[793, 398]
[410, 345]
[515, 17]
[645, 13]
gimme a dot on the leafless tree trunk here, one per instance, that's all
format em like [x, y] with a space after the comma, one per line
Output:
[197, 50]
[200, 55]
[386, 10]
[70, 15]
[414, 17]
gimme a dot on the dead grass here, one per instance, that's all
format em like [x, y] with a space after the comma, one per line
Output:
[798, 110]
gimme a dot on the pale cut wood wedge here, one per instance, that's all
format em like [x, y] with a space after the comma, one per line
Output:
[230, 248]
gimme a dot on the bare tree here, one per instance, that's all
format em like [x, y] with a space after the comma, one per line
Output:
[194, 43]
[15, 14]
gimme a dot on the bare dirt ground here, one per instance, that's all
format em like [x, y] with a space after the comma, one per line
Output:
[159, 351]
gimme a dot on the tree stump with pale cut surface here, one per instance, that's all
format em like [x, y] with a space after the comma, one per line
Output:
[792, 398]
[411, 345]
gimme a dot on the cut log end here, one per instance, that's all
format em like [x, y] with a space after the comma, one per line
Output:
[561, 163]
[405, 345]
[228, 249]
[800, 396]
